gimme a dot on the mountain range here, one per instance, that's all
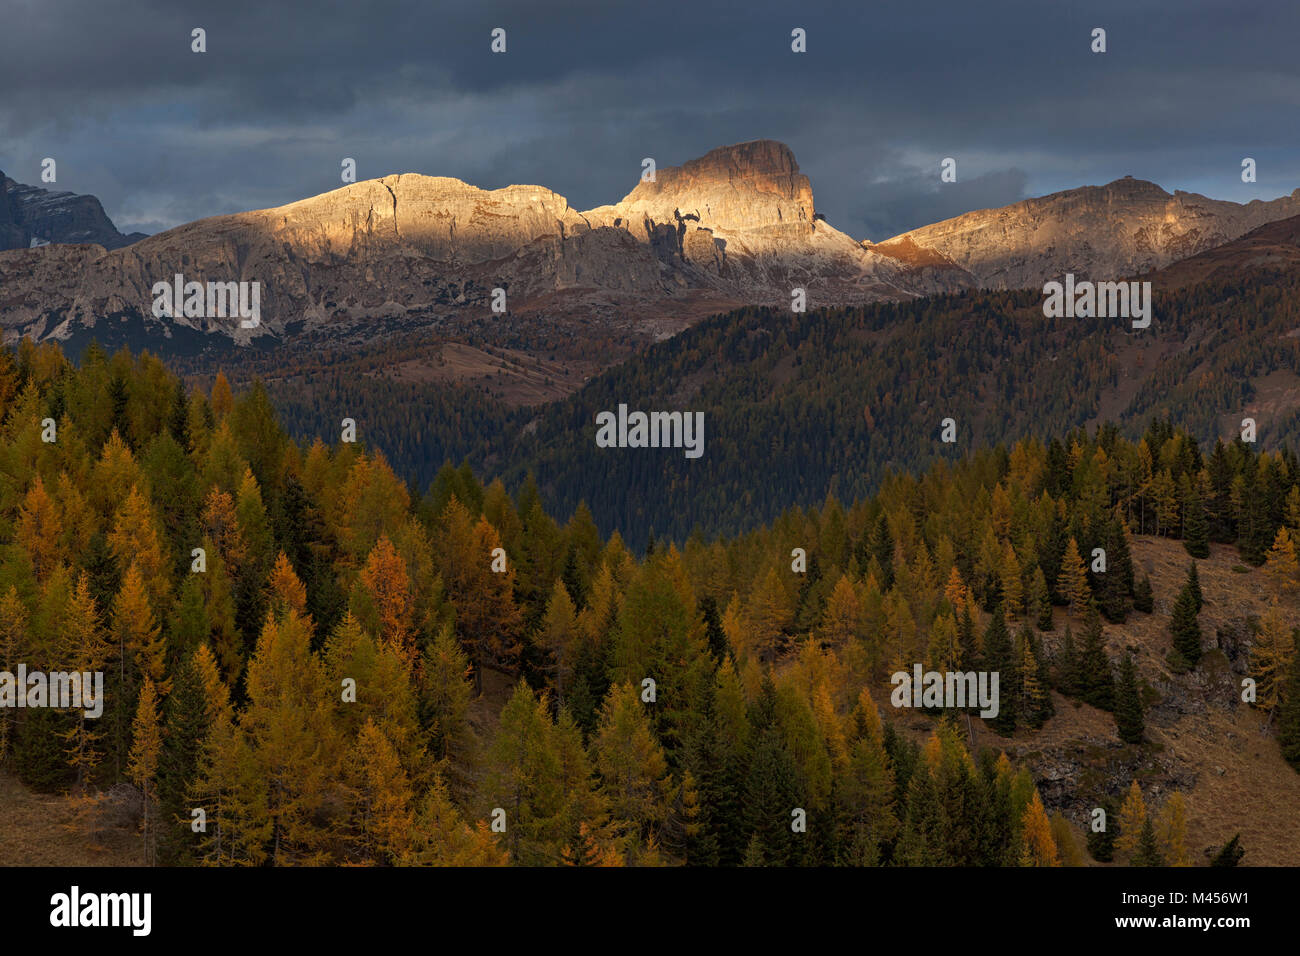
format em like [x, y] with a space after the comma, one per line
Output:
[32, 217]
[736, 227]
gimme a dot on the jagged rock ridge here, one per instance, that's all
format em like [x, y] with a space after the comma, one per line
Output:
[31, 216]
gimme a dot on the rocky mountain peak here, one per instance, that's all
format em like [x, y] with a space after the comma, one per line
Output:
[745, 186]
[32, 216]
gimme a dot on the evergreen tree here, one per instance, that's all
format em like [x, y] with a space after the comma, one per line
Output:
[1148, 850]
[13, 649]
[1128, 703]
[1101, 843]
[1230, 854]
[1186, 631]
[967, 639]
[1288, 723]
[1116, 583]
[1097, 680]
[1143, 599]
[771, 783]
[882, 549]
[379, 798]
[440, 836]
[1194, 585]
[713, 632]
[524, 779]
[1196, 530]
[185, 724]
[1068, 674]
[999, 657]
[1042, 601]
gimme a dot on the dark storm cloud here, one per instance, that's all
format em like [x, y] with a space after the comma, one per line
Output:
[586, 89]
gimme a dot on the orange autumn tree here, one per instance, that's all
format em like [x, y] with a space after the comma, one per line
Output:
[287, 592]
[379, 798]
[39, 528]
[385, 583]
[1073, 581]
[1038, 848]
[487, 620]
[135, 539]
[135, 630]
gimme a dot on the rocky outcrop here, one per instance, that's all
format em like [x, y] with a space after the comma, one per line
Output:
[31, 216]
[1106, 232]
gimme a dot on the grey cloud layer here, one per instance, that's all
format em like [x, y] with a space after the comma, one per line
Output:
[587, 89]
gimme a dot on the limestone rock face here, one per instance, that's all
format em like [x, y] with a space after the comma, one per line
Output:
[1104, 233]
[752, 187]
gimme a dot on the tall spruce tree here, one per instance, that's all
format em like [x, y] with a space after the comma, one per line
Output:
[1068, 677]
[1101, 842]
[1143, 599]
[1000, 658]
[1097, 681]
[1194, 584]
[1196, 529]
[1148, 850]
[1288, 723]
[1128, 703]
[1186, 631]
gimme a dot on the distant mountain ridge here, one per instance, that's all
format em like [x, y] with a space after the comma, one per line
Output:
[32, 216]
[1124, 228]
[735, 227]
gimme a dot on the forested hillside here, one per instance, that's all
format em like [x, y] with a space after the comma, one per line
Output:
[302, 649]
[798, 405]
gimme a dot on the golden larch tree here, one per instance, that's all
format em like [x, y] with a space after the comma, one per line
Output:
[83, 648]
[1281, 564]
[385, 579]
[1271, 656]
[142, 764]
[1132, 814]
[1038, 848]
[1172, 830]
[39, 528]
[1073, 581]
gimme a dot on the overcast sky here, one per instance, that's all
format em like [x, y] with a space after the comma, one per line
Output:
[887, 89]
